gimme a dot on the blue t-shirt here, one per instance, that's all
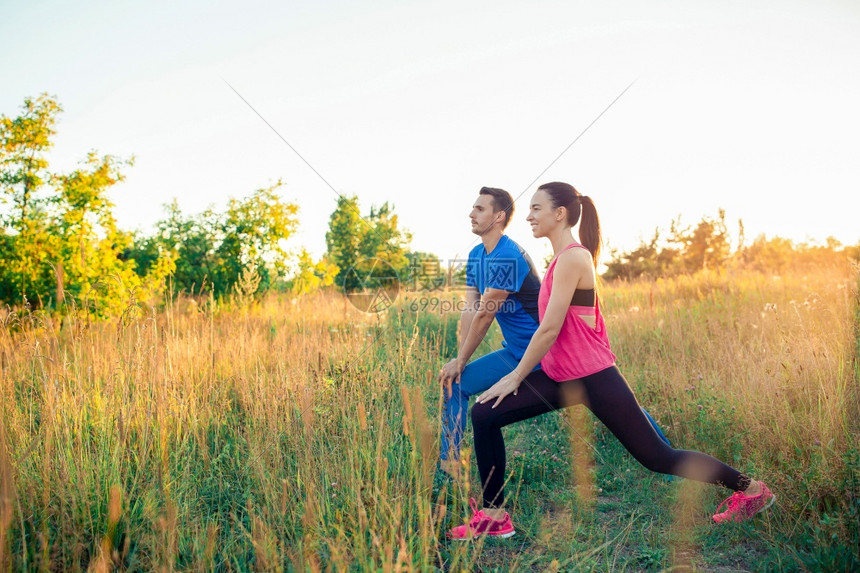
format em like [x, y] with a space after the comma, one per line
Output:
[508, 267]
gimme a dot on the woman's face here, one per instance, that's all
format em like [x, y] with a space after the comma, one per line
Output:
[542, 216]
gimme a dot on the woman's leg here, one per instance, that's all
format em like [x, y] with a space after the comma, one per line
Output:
[610, 398]
[476, 377]
[537, 395]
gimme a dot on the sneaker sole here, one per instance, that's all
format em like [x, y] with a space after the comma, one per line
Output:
[764, 507]
[770, 503]
[494, 536]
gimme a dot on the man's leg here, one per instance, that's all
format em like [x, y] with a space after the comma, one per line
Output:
[476, 377]
[657, 429]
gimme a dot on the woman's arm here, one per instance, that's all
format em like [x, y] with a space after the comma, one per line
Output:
[571, 267]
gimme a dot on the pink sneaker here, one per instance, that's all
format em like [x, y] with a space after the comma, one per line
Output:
[742, 507]
[482, 524]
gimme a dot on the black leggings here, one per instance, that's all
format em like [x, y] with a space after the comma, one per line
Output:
[608, 396]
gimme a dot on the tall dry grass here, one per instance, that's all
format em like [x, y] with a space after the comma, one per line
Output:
[289, 432]
[776, 355]
[761, 371]
[301, 434]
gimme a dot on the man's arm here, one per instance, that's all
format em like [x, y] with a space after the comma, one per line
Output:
[450, 372]
[473, 301]
[473, 333]
[475, 320]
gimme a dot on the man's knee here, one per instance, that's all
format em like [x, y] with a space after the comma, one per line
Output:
[456, 391]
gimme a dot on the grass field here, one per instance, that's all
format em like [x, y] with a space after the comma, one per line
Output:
[301, 435]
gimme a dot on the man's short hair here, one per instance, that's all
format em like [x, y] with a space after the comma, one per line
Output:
[502, 201]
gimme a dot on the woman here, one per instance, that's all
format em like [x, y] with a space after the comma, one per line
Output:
[578, 367]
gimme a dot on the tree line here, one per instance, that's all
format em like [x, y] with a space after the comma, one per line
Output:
[60, 244]
[708, 245]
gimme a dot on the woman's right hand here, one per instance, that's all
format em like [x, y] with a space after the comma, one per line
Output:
[509, 384]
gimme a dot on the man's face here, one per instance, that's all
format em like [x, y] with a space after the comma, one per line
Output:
[482, 216]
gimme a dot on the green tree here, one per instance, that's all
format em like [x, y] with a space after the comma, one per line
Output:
[312, 275]
[771, 255]
[192, 241]
[90, 244]
[28, 245]
[358, 244]
[213, 251]
[778, 255]
[649, 259]
[343, 240]
[706, 246]
[252, 235]
[384, 239]
[687, 250]
[60, 237]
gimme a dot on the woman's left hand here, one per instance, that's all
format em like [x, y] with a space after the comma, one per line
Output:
[507, 385]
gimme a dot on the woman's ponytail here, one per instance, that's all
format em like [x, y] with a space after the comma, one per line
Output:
[589, 228]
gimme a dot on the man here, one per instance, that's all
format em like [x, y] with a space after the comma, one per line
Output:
[501, 284]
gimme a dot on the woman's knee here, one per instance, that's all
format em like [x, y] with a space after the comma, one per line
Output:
[661, 461]
[483, 415]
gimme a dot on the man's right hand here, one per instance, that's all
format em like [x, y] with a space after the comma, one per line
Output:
[450, 373]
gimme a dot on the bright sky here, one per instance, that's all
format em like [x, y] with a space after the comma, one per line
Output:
[749, 106]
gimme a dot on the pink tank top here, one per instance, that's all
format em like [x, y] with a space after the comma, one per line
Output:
[579, 349]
